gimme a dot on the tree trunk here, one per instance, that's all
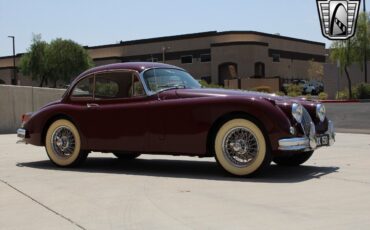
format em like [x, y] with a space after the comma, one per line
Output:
[42, 81]
[349, 83]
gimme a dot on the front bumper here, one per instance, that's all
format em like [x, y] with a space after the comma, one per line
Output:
[307, 143]
[21, 134]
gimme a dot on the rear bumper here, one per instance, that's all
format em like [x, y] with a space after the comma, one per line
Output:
[21, 134]
[306, 143]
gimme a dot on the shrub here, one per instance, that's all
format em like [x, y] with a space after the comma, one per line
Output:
[280, 93]
[264, 89]
[308, 96]
[363, 91]
[294, 90]
[204, 84]
[323, 96]
[342, 95]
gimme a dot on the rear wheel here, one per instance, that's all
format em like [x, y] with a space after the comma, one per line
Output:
[126, 156]
[63, 144]
[293, 160]
[241, 148]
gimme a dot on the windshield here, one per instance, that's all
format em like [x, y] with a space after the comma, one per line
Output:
[161, 79]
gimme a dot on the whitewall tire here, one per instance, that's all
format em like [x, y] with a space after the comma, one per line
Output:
[63, 144]
[241, 148]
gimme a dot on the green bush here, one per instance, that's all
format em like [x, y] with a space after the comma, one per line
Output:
[204, 84]
[294, 90]
[361, 91]
[308, 96]
[323, 96]
[280, 93]
[263, 89]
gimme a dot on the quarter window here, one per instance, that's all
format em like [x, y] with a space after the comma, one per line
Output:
[84, 89]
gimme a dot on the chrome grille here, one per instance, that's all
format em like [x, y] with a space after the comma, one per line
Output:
[306, 122]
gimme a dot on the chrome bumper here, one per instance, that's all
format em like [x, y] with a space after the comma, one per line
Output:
[306, 143]
[21, 134]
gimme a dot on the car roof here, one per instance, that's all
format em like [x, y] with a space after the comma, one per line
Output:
[136, 66]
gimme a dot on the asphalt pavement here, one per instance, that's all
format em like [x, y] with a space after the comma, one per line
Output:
[330, 191]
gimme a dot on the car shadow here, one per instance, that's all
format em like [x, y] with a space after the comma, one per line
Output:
[205, 170]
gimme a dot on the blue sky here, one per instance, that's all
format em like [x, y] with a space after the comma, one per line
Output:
[93, 22]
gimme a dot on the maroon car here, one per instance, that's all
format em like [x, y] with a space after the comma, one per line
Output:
[151, 108]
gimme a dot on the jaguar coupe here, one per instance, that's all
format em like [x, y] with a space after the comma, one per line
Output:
[137, 108]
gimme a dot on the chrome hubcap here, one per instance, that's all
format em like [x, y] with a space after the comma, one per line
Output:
[63, 142]
[240, 146]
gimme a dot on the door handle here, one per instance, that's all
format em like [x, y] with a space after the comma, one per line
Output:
[92, 105]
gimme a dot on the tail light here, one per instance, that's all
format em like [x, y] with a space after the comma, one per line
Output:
[25, 118]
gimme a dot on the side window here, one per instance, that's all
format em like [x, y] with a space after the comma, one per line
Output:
[116, 85]
[137, 89]
[84, 89]
[106, 87]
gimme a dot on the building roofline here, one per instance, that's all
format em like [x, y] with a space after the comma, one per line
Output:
[11, 56]
[271, 35]
[188, 36]
[200, 35]
[239, 43]
[157, 39]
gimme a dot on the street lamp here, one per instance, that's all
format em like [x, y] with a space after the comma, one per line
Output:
[14, 79]
[164, 49]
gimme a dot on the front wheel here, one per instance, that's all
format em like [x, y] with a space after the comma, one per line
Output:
[241, 148]
[293, 160]
[63, 144]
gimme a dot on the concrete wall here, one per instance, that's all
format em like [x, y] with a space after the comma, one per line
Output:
[17, 100]
[335, 81]
[251, 83]
[349, 117]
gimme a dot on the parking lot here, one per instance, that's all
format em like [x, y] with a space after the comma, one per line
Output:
[332, 190]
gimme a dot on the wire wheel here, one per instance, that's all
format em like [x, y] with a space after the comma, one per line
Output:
[240, 146]
[63, 142]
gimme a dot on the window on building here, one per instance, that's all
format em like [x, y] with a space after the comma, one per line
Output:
[259, 69]
[205, 57]
[187, 59]
[275, 57]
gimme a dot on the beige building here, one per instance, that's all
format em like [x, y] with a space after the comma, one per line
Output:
[212, 56]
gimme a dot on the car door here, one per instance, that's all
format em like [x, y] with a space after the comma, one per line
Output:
[118, 113]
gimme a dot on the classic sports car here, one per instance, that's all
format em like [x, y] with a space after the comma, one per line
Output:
[136, 108]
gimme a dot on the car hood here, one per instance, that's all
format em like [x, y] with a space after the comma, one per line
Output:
[206, 92]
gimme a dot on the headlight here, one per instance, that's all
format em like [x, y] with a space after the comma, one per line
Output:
[320, 112]
[297, 112]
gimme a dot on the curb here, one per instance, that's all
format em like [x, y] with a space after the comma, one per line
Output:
[346, 101]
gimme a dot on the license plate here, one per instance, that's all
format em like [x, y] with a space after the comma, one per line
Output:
[322, 140]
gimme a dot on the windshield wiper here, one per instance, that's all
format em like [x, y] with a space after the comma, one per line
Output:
[171, 87]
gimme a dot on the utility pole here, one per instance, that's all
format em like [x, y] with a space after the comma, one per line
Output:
[164, 49]
[365, 44]
[14, 79]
